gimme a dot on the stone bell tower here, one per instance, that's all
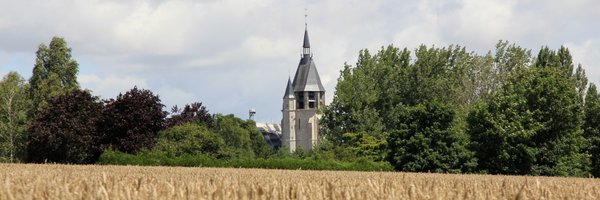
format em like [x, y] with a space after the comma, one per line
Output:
[302, 98]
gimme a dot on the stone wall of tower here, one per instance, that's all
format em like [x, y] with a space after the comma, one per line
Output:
[307, 119]
[288, 132]
[307, 128]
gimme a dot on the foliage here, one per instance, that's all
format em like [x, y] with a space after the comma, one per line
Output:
[592, 127]
[195, 112]
[132, 121]
[365, 146]
[427, 140]
[531, 126]
[227, 137]
[66, 130]
[369, 94]
[190, 138]
[157, 158]
[242, 138]
[523, 114]
[54, 73]
[14, 105]
[581, 82]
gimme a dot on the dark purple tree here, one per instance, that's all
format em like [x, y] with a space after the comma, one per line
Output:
[195, 112]
[66, 131]
[132, 121]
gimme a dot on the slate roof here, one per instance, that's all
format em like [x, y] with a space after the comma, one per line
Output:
[307, 78]
[306, 42]
[289, 90]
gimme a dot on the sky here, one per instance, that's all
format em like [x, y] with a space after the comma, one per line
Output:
[233, 55]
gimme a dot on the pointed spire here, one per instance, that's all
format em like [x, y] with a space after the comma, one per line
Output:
[306, 44]
[289, 90]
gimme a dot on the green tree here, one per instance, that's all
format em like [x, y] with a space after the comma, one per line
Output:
[592, 127]
[54, 73]
[242, 139]
[66, 131]
[565, 60]
[508, 58]
[132, 121]
[259, 145]
[428, 140]
[14, 105]
[482, 75]
[366, 94]
[190, 138]
[581, 82]
[359, 103]
[363, 145]
[531, 126]
[547, 58]
[560, 59]
[237, 139]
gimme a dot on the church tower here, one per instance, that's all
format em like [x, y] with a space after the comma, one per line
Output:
[302, 98]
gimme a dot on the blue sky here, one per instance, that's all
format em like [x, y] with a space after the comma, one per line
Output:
[233, 55]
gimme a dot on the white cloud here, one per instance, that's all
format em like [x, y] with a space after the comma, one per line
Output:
[110, 86]
[171, 96]
[484, 22]
[234, 55]
[588, 55]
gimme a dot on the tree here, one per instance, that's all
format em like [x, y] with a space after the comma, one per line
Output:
[366, 94]
[132, 121]
[547, 58]
[54, 73]
[531, 126]
[258, 143]
[560, 59]
[242, 139]
[66, 131]
[510, 58]
[592, 127]
[581, 82]
[427, 140]
[363, 145]
[195, 112]
[14, 105]
[190, 138]
[565, 61]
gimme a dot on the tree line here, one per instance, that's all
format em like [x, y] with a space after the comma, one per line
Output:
[451, 110]
[49, 118]
[428, 110]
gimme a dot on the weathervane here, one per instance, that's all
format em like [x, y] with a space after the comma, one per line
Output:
[305, 16]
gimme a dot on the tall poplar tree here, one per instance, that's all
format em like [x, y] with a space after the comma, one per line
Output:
[592, 127]
[581, 82]
[54, 73]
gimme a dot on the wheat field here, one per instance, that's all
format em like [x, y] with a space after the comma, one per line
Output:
[50, 181]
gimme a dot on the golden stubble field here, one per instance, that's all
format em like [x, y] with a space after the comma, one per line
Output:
[49, 181]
